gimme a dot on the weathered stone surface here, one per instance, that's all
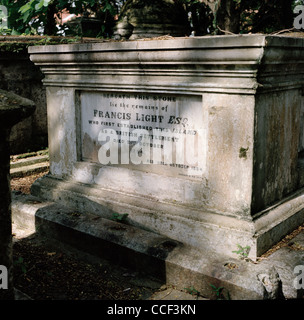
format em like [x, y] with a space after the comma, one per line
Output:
[145, 19]
[272, 284]
[19, 75]
[246, 190]
[13, 109]
[171, 262]
[123, 29]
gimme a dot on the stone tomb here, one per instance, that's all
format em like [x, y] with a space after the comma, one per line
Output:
[197, 139]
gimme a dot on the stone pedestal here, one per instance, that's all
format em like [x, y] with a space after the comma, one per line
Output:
[197, 139]
[13, 109]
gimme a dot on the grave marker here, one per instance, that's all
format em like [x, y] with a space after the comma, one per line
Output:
[236, 99]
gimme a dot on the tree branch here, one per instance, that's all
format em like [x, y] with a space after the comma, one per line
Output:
[282, 31]
[225, 31]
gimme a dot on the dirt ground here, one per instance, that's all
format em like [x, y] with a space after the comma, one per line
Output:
[44, 271]
[23, 184]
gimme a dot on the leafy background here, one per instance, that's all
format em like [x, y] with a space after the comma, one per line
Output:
[36, 17]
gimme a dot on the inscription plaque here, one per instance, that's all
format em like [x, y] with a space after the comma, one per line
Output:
[152, 132]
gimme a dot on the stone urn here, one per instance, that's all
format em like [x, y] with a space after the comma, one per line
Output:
[123, 29]
[145, 19]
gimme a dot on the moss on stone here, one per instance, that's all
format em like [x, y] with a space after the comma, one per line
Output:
[20, 44]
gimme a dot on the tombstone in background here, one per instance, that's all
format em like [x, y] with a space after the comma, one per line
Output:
[146, 19]
[13, 109]
[197, 139]
[19, 75]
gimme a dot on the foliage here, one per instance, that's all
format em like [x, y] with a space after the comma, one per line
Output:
[13, 16]
[266, 16]
[219, 293]
[34, 15]
[238, 16]
[38, 16]
[192, 291]
[243, 252]
[201, 17]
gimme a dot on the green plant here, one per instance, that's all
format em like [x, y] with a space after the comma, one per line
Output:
[243, 153]
[39, 14]
[192, 291]
[119, 217]
[20, 263]
[219, 292]
[5, 31]
[43, 16]
[243, 252]
[71, 40]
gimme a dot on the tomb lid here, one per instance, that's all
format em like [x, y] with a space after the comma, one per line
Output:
[14, 108]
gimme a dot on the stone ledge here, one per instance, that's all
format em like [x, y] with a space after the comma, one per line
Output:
[210, 230]
[17, 163]
[158, 256]
[29, 169]
[29, 163]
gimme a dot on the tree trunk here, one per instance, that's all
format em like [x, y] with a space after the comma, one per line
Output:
[228, 16]
[50, 25]
[286, 14]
